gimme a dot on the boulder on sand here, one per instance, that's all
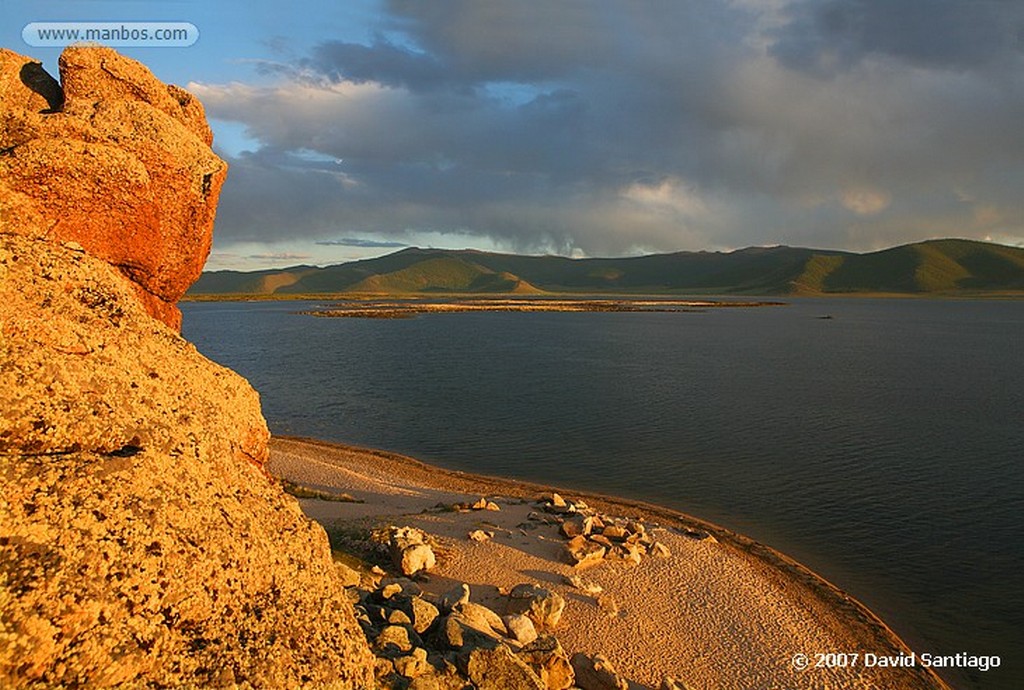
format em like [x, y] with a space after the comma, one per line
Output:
[542, 606]
[410, 551]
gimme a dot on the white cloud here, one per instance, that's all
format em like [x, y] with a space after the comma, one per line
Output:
[865, 201]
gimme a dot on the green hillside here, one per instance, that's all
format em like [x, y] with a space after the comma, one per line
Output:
[933, 267]
[442, 274]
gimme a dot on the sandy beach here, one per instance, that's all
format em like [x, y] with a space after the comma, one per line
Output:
[719, 612]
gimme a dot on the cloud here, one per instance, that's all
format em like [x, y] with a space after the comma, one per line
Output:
[830, 35]
[379, 63]
[280, 256]
[611, 128]
[360, 242]
[866, 202]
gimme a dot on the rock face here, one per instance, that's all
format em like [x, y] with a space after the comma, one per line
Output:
[114, 160]
[141, 542]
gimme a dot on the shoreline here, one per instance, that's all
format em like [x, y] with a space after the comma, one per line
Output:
[397, 309]
[721, 297]
[838, 612]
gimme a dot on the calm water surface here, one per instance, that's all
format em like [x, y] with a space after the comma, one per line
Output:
[882, 447]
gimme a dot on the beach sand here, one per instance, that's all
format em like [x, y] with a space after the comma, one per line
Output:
[720, 612]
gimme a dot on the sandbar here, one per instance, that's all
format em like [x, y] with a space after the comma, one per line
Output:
[722, 611]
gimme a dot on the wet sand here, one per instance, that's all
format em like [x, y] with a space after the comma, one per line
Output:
[720, 612]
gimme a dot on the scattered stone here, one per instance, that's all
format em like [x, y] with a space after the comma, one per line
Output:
[479, 505]
[615, 533]
[542, 606]
[423, 614]
[577, 526]
[383, 668]
[550, 662]
[456, 632]
[602, 540]
[607, 603]
[410, 551]
[558, 505]
[628, 555]
[402, 537]
[399, 617]
[493, 507]
[597, 673]
[455, 596]
[394, 638]
[520, 628]
[417, 558]
[698, 535]
[480, 535]
[348, 576]
[388, 591]
[500, 669]
[659, 550]
[414, 664]
[481, 618]
[409, 587]
[583, 585]
[582, 552]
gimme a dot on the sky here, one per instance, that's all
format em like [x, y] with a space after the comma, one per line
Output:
[593, 128]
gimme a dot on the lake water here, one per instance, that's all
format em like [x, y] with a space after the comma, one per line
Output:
[883, 448]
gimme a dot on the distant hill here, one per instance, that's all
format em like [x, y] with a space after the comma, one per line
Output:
[930, 267]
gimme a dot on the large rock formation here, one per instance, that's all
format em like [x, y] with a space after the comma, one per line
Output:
[140, 540]
[142, 543]
[114, 159]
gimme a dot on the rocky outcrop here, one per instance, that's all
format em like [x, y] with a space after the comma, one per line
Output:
[459, 644]
[115, 160]
[593, 538]
[141, 541]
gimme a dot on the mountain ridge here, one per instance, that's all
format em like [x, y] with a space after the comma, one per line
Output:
[938, 266]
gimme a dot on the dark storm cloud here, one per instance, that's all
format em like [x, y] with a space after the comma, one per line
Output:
[948, 34]
[359, 242]
[381, 62]
[616, 127]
